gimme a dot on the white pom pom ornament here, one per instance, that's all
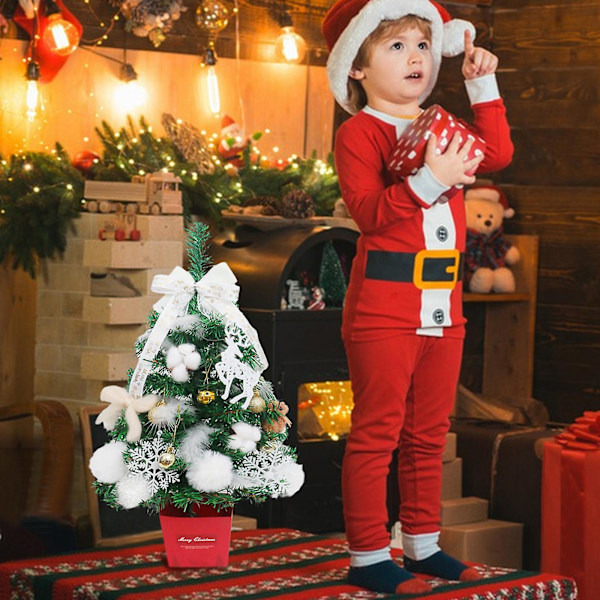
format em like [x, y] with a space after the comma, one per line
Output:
[211, 472]
[245, 437]
[181, 360]
[107, 463]
[132, 491]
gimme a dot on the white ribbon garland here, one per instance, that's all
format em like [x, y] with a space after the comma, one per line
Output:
[217, 292]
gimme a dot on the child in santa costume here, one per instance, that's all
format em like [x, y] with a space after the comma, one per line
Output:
[403, 326]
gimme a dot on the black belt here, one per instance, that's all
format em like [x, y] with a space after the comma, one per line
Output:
[427, 269]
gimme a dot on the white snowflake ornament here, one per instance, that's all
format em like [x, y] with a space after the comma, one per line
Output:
[144, 461]
[275, 470]
[181, 360]
[245, 437]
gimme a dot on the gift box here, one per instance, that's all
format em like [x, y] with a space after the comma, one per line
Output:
[571, 504]
[408, 155]
[200, 540]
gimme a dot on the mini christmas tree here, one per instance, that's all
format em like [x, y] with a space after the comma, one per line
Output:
[198, 423]
[331, 277]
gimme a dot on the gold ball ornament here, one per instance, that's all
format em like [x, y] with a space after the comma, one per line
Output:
[212, 15]
[167, 459]
[257, 404]
[270, 446]
[205, 396]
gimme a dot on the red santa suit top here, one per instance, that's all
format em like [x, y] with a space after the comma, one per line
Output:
[405, 275]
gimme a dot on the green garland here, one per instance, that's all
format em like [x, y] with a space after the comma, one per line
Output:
[41, 193]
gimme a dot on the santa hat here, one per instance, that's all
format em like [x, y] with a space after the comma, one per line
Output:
[491, 193]
[349, 22]
[226, 121]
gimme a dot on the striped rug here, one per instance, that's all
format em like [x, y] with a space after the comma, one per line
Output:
[268, 563]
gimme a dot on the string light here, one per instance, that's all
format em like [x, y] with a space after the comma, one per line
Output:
[32, 96]
[331, 403]
[213, 16]
[290, 47]
[129, 95]
[209, 62]
[60, 35]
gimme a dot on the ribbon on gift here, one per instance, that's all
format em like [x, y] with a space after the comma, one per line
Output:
[118, 400]
[584, 434]
[217, 293]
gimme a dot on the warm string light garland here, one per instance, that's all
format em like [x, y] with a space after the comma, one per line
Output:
[102, 38]
[36, 189]
[331, 403]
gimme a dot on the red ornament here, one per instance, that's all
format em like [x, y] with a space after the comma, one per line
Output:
[84, 160]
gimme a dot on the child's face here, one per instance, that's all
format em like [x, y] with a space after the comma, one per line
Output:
[398, 72]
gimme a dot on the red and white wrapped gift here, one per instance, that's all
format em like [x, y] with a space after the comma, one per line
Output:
[571, 504]
[408, 155]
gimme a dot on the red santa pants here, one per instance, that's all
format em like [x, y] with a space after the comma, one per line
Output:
[404, 388]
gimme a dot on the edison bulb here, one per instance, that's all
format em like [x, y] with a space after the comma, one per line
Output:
[130, 95]
[289, 46]
[60, 35]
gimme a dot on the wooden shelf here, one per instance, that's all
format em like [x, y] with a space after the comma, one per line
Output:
[516, 297]
[510, 327]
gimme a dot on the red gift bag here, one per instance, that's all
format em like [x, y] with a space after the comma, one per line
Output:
[198, 541]
[408, 155]
[571, 505]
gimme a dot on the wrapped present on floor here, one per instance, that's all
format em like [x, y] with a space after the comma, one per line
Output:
[571, 504]
[408, 155]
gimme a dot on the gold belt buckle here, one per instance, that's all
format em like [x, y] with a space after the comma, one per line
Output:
[420, 258]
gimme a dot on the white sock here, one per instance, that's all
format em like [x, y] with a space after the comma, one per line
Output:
[420, 546]
[369, 557]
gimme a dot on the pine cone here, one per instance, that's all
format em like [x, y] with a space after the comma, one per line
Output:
[297, 204]
[260, 201]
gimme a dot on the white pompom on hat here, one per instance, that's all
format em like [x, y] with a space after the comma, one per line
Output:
[348, 23]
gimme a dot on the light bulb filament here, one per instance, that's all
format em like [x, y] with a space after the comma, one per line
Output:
[32, 99]
[214, 99]
[290, 49]
[59, 35]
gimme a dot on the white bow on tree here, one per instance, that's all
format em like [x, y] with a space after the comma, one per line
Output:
[217, 293]
[119, 399]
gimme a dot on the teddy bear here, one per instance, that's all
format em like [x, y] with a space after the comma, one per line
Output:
[489, 253]
[281, 422]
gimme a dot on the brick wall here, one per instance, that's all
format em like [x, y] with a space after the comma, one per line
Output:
[85, 342]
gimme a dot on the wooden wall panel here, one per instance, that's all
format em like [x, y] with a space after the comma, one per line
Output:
[554, 156]
[570, 97]
[259, 95]
[547, 35]
[549, 53]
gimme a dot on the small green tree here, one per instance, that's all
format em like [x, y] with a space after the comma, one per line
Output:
[198, 423]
